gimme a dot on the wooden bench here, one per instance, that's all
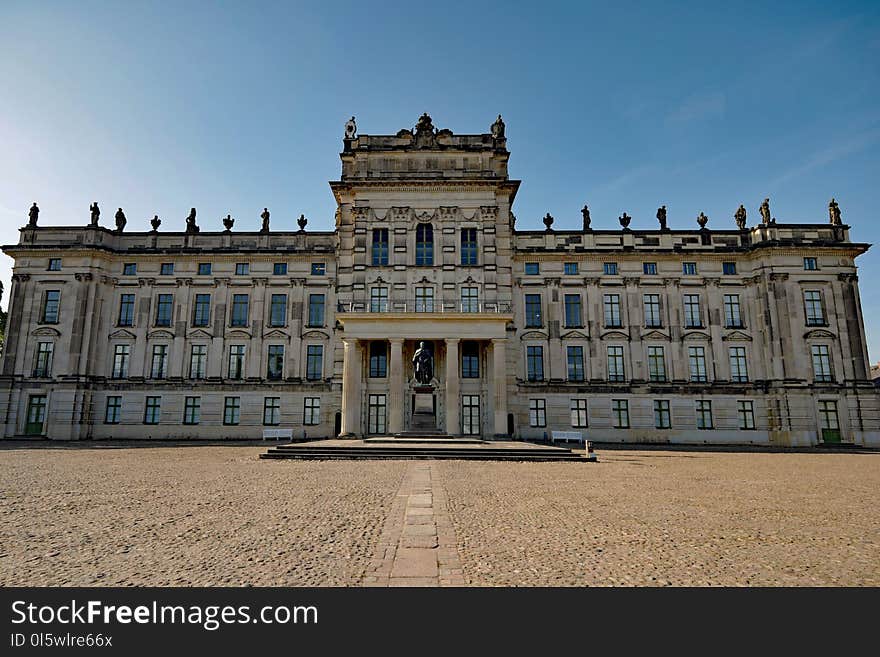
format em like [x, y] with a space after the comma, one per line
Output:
[567, 435]
[277, 434]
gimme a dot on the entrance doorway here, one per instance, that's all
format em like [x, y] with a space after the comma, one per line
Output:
[36, 415]
[470, 415]
[376, 414]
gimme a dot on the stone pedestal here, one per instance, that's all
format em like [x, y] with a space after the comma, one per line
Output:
[424, 416]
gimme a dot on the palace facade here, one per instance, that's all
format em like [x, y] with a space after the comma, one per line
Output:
[751, 335]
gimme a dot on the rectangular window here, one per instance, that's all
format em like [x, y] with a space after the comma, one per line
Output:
[610, 268]
[192, 410]
[121, 356]
[424, 245]
[470, 301]
[821, 363]
[652, 311]
[537, 413]
[242, 269]
[129, 269]
[240, 306]
[152, 410]
[198, 359]
[573, 314]
[697, 364]
[316, 310]
[579, 413]
[620, 413]
[656, 365]
[615, 364]
[535, 362]
[314, 362]
[533, 269]
[54, 264]
[159, 363]
[166, 269]
[43, 360]
[470, 415]
[380, 246]
[231, 410]
[319, 268]
[811, 264]
[662, 417]
[378, 299]
[728, 268]
[575, 363]
[271, 411]
[36, 415]
[470, 360]
[278, 310]
[813, 307]
[275, 365]
[570, 268]
[468, 246]
[424, 299]
[829, 421]
[689, 268]
[378, 359]
[202, 310]
[113, 410]
[51, 303]
[533, 310]
[312, 411]
[739, 371]
[204, 269]
[704, 414]
[164, 309]
[126, 310]
[612, 311]
[649, 268]
[692, 316]
[745, 411]
[376, 408]
[732, 314]
[279, 269]
[236, 361]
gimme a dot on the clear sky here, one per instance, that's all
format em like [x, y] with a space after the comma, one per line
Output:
[230, 107]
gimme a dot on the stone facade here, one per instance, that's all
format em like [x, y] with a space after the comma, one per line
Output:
[697, 336]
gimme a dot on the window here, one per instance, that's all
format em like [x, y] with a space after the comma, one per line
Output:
[36, 415]
[279, 269]
[697, 364]
[537, 413]
[51, 302]
[236, 361]
[192, 410]
[612, 311]
[575, 363]
[129, 269]
[728, 268]
[126, 310]
[378, 299]
[533, 310]
[811, 264]
[739, 372]
[231, 410]
[745, 411]
[166, 269]
[652, 311]
[202, 310]
[312, 411]
[424, 299]
[314, 362]
[121, 355]
[704, 414]
[470, 360]
[469, 246]
[43, 361]
[164, 308]
[533, 269]
[380, 246]
[240, 304]
[620, 413]
[662, 418]
[272, 411]
[692, 315]
[278, 310]
[732, 315]
[470, 302]
[319, 269]
[821, 363]
[689, 268]
[656, 365]
[152, 410]
[242, 269]
[378, 359]
[159, 363]
[610, 268]
[570, 268]
[204, 269]
[615, 364]
[54, 264]
[579, 413]
[198, 359]
[829, 422]
[573, 315]
[275, 365]
[113, 410]
[316, 310]
[376, 414]
[424, 245]
[649, 268]
[813, 306]
[535, 362]
[470, 415]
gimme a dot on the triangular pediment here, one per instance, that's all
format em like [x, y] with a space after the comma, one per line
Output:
[575, 335]
[615, 335]
[46, 331]
[737, 336]
[122, 334]
[696, 335]
[160, 335]
[238, 334]
[654, 335]
[275, 333]
[199, 333]
[534, 335]
[819, 334]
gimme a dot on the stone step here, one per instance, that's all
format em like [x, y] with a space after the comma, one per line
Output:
[427, 452]
[306, 455]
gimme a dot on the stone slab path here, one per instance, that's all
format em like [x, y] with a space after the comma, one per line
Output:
[417, 546]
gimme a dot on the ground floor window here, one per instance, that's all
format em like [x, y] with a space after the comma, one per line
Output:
[745, 411]
[152, 410]
[537, 413]
[376, 414]
[579, 413]
[36, 415]
[113, 410]
[704, 414]
[192, 410]
[470, 415]
[662, 416]
[231, 410]
[312, 411]
[272, 411]
[620, 413]
[828, 421]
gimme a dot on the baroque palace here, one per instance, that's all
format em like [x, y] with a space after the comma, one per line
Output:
[426, 311]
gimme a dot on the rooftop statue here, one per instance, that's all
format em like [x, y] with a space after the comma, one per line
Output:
[661, 217]
[33, 215]
[834, 213]
[585, 213]
[191, 226]
[350, 129]
[765, 212]
[740, 217]
[120, 220]
[155, 222]
[424, 132]
[498, 128]
[265, 217]
[624, 220]
[95, 213]
[548, 221]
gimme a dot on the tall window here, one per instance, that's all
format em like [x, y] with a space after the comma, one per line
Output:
[378, 299]
[242, 269]
[573, 315]
[378, 359]
[192, 410]
[43, 361]
[692, 315]
[312, 411]
[376, 414]
[121, 356]
[236, 361]
[656, 364]
[202, 310]
[278, 310]
[314, 362]
[316, 310]
[275, 369]
[36, 415]
[739, 371]
[113, 410]
[380, 246]
[470, 302]
[615, 364]
[697, 364]
[470, 415]
[271, 411]
[469, 246]
[231, 410]
[745, 412]
[689, 268]
[159, 364]
[704, 414]
[732, 315]
[424, 299]
[575, 363]
[612, 310]
[424, 244]
[240, 304]
[533, 310]
[470, 360]
[662, 417]
[126, 310]
[537, 413]
[821, 363]
[198, 359]
[51, 301]
[164, 307]
[620, 413]
[652, 311]
[579, 413]
[813, 306]
[829, 421]
[152, 410]
[535, 362]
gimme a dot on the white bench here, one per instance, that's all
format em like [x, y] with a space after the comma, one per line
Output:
[277, 434]
[567, 435]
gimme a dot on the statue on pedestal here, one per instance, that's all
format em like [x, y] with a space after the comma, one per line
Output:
[33, 215]
[191, 226]
[120, 220]
[423, 364]
[265, 218]
[585, 213]
[740, 217]
[834, 213]
[95, 213]
[661, 217]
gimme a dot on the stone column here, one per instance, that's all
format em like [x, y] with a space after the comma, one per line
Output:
[452, 387]
[350, 388]
[396, 381]
[499, 385]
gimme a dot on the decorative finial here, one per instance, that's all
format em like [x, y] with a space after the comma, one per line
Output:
[585, 213]
[740, 217]
[702, 219]
[33, 215]
[548, 221]
[155, 222]
[95, 213]
[661, 217]
[834, 213]
[265, 217]
[120, 220]
[624, 220]
[301, 222]
[228, 221]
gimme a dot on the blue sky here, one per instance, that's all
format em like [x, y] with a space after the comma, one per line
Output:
[230, 107]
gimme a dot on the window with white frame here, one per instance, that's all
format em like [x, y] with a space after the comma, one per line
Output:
[378, 299]
[470, 302]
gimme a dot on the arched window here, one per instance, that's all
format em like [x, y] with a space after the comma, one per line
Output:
[424, 244]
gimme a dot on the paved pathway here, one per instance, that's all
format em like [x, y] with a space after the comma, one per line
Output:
[417, 546]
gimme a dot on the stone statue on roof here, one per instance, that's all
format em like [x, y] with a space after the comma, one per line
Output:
[95, 213]
[350, 129]
[740, 217]
[834, 213]
[33, 215]
[498, 128]
[120, 220]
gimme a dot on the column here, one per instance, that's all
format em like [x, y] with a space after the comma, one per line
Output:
[395, 381]
[452, 387]
[499, 385]
[350, 388]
